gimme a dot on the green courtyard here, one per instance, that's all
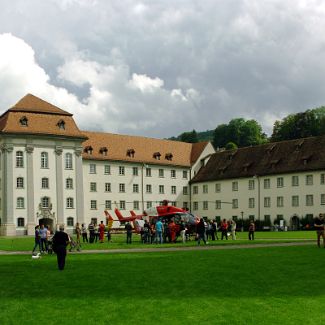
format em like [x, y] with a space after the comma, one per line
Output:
[268, 285]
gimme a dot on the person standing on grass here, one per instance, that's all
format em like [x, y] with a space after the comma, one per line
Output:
[78, 233]
[128, 229]
[43, 234]
[60, 242]
[159, 231]
[224, 229]
[319, 226]
[233, 229]
[37, 239]
[251, 230]
[200, 231]
[101, 229]
[84, 233]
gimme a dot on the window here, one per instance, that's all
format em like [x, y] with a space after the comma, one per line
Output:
[135, 188]
[19, 159]
[93, 221]
[107, 169]
[122, 205]
[235, 203]
[148, 172]
[279, 201]
[136, 205]
[20, 182]
[173, 173]
[235, 186]
[93, 187]
[218, 188]
[161, 173]
[108, 204]
[218, 205]
[135, 171]
[108, 187]
[295, 180]
[309, 200]
[69, 203]
[23, 121]
[195, 189]
[322, 199]
[121, 170]
[70, 222]
[309, 179]
[251, 203]
[20, 203]
[173, 189]
[251, 184]
[149, 204]
[61, 125]
[185, 190]
[44, 160]
[148, 188]
[93, 205]
[267, 202]
[121, 187]
[295, 200]
[322, 179]
[161, 189]
[45, 201]
[185, 205]
[20, 222]
[185, 174]
[92, 168]
[195, 205]
[68, 161]
[45, 183]
[279, 182]
[205, 189]
[267, 219]
[267, 183]
[205, 205]
[69, 183]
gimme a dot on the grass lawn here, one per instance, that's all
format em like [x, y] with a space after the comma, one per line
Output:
[118, 241]
[272, 285]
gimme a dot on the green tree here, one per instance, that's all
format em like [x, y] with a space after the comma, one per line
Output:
[190, 137]
[239, 131]
[231, 146]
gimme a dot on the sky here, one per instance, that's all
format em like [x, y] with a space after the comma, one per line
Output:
[158, 68]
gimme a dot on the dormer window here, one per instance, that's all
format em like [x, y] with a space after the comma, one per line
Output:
[61, 125]
[169, 156]
[88, 150]
[130, 153]
[222, 169]
[103, 151]
[270, 149]
[23, 121]
[232, 155]
[274, 162]
[246, 166]
[157, 155]
[306, 159]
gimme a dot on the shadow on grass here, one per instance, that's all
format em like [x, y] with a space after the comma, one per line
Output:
[262, 272]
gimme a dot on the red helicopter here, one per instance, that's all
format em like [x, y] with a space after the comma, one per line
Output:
[163, 212]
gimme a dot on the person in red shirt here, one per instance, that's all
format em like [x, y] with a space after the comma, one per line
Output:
[224, 229]
[172, 230]
[101, 232]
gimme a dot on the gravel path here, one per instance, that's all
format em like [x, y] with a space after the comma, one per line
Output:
[173, 249]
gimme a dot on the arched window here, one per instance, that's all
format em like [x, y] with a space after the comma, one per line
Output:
[20, 222]
[20, 203]
[69, 203]
[70, 221]
[44, 160]
[68, 161]
[19, 159]
[45, 201]
[20, 182]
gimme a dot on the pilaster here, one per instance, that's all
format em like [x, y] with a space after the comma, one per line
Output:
[79, 186]
[59, 183]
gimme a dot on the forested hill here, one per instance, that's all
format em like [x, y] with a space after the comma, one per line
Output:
[242, 133]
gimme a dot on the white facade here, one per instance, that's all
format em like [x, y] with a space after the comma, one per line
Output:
[271, 197]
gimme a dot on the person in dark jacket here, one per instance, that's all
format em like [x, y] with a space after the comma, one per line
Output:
[200, 231]
[60, 242]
